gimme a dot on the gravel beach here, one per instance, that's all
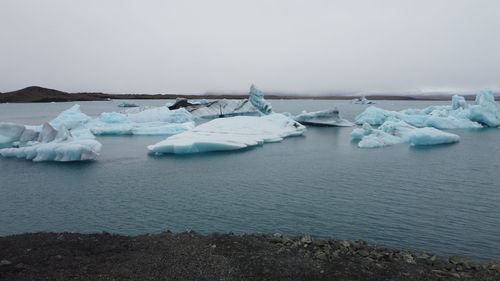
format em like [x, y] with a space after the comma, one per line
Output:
[191, 256]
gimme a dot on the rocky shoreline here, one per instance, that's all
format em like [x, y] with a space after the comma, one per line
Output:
[192, 256]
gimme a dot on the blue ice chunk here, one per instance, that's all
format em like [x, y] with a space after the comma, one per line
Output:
[70, 118]
[398, 132]
[113, 117]
[485, 113]
[257, 100]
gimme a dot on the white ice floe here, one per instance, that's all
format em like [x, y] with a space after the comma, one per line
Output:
[397, 132]
[51, 144]
[230, 134]
[484, 113]
[329, 117]
[128, 104]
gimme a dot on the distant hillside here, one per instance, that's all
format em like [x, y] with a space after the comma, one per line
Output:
[40, 94]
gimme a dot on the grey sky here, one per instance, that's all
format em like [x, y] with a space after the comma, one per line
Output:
[190, 46]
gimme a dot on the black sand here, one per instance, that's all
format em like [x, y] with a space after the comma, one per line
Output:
[190, 256]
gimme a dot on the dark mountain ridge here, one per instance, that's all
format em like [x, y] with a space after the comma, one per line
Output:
[41, 94]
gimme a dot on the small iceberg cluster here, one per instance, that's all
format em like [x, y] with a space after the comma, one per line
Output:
[71, 135]
[255, 105]
[329, 117]
[484, 113]
[230, 133]
[247, 122]
[362, 100]
[397, 132]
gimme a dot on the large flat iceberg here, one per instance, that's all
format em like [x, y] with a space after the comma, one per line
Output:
[484, 113]
[397, 132]
[230, 134]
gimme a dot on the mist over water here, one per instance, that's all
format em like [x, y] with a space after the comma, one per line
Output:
[311, 47]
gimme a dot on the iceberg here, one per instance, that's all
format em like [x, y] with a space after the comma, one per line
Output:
[28, 135]
[9, 133]
[150, 121]
[255, 105]
[458, 102]
[70, 118]
[459, 115]
[202, 101]
[161, 114]
[114, 118]
[230, 133]
[322, 118]
[74, 150]
[162, 129]
[71, 135]
[486, 111]
[362, 100]
[397, 132]
[48, 133]
[128, 104]
[52, 145]
[150, 128]
[222, 108]
[257, 100]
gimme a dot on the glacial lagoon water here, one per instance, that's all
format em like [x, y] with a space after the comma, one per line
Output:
[442, 199]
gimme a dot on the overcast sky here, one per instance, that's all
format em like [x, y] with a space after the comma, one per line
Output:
[311, 46]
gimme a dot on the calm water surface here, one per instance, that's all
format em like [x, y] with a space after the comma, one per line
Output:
[442, 199]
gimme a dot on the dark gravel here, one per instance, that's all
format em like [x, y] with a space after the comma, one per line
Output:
[190, 256]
